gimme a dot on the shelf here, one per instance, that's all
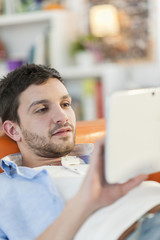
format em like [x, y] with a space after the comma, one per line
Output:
[77, 72]
[84, 71]
[97, 70]
[74, 72]
[52, 30]
[29, 17]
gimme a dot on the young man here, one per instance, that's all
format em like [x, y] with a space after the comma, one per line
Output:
[36, 112]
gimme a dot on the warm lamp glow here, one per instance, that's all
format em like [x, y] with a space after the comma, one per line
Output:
[104, 20]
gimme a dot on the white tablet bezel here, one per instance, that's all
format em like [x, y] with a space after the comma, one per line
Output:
[133, 134]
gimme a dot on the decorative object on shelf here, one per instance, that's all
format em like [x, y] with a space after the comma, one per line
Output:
[1, 7]
[77, 107]
[13, 64]
[131, 39]
[89, 100]
[8, 6]
[85, 58]
[86, 50]
[20, 6]
[3, 52]
[50, 5]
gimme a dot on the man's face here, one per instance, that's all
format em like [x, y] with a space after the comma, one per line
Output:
[47, 120]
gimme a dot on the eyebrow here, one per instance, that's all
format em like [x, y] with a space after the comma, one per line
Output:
[46, 101]
[66, 96]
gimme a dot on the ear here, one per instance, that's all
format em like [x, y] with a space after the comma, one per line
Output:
[11, 129]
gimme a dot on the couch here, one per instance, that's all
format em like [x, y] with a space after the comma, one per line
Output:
[86, 132]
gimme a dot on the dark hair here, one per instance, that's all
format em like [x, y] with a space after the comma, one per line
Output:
[16, 82]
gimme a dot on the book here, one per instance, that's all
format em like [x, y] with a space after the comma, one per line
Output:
[89, 105]
[99, 99]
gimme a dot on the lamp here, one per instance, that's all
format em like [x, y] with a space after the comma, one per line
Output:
[104, 20]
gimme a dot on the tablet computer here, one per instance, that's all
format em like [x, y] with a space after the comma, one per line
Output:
[133, 134]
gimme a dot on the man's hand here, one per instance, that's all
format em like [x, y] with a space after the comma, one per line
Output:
[95, 189]
[94, 193]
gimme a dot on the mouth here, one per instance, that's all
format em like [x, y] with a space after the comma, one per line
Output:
[63, 132]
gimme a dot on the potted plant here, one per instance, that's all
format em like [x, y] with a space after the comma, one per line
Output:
[84, 49]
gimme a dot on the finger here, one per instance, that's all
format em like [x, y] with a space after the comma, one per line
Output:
[96, 169]
[116, 191]
[132, 183]
[98, 154]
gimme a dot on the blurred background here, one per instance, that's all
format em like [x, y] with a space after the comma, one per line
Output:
[98, 46]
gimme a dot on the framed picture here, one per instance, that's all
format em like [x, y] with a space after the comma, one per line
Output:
[134, 41]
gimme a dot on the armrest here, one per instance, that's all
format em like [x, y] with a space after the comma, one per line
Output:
[90, 131]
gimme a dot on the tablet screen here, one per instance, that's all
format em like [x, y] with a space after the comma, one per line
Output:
[133, 134]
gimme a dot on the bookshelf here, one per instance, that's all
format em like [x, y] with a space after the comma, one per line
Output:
[87, 87]
[110, 76]
[20, 31]
[106, 78]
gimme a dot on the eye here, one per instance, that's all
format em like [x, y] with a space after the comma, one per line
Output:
[41, 110]
[66, 104]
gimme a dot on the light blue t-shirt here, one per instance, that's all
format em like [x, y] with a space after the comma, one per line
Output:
[29, 201]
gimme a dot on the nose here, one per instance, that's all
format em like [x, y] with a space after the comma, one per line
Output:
[59, 115]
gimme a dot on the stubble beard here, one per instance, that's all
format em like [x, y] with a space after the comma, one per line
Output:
[43, 147]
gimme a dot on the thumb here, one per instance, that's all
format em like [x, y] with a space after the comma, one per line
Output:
[132, 183]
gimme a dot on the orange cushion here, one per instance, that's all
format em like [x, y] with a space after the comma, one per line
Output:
[90, 131]
[154, 177]
[7, 146]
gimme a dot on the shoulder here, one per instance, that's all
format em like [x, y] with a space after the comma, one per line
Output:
[20, 186]
[3, 178]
